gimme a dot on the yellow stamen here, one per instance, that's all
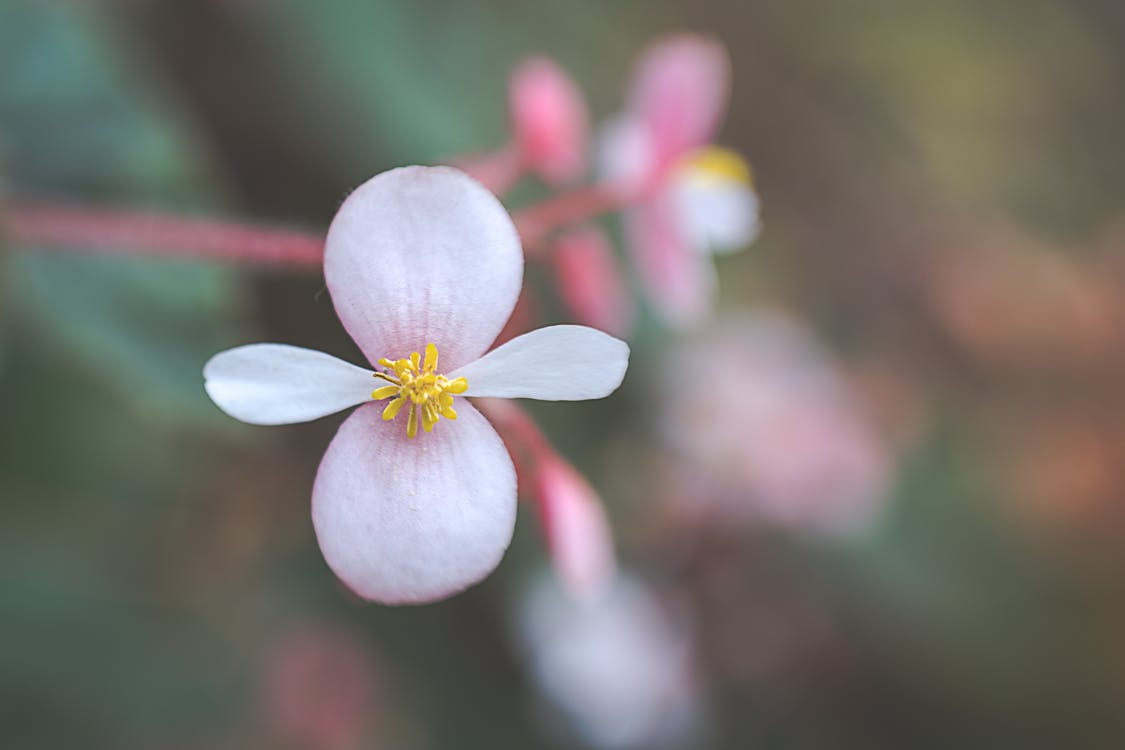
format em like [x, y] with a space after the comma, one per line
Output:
[385, 392]
[415, 382]
[393, 408]
[412, 422]
[715, 164]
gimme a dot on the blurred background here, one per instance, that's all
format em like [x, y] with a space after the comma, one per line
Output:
[902, 527]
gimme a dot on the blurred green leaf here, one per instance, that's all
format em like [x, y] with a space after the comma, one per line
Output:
[73, 123]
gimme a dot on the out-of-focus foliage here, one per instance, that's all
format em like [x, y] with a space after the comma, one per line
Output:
[101, 389]
[942, 189]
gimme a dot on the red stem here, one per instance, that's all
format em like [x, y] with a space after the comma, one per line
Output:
[537, 221]
[498, 170]
[62, 225]
[515, 426]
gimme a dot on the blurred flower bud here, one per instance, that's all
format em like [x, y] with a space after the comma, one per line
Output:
[576, 527]
[619, 670]
[589, 281]
[775, 434]
[549, 120]
[320, 688]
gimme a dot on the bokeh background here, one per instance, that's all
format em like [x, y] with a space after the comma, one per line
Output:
[942, 188]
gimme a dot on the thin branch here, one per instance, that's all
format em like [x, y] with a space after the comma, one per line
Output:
[51, 225]
[61, 225]
[536, 222]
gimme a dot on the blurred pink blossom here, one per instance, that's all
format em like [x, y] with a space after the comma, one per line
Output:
[620, 668]
[589, 281]
[769, 430]
[320, 689]
[694, 199]
[549, 120]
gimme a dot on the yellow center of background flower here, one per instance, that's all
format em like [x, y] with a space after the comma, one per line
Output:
[427, 392]
[715, 164]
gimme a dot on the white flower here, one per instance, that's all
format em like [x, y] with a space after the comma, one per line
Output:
[419, 261]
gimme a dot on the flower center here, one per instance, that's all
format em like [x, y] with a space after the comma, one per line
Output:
[714, 164]
[421, 387]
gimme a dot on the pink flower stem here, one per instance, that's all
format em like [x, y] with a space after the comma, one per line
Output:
[498, 170]
[567, 209]
[45, 224]
[59, 225]
[526, 443]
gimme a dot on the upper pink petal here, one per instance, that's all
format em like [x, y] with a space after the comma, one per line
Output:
[549, 119]
[404, 521]
[422, 255]
[679, 282]
[680, 90]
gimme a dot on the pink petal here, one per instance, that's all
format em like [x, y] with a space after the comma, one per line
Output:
[422, 255]
[549, 120]
[680, 89]
[590, 283]
[679, 282]
[577, 529]
[405, 521]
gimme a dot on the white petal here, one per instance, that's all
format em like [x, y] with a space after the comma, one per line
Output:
[423, 255]
[404, 521]
[281, 384]
[557, 363]
[717, 215]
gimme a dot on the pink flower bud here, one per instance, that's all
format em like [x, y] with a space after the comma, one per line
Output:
[576, 528]
[549, 120]
[589, 281]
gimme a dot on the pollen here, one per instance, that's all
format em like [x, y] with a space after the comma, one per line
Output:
[715, 164]
[415, 384]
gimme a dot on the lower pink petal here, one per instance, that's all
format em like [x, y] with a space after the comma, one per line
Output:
[408, 521]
